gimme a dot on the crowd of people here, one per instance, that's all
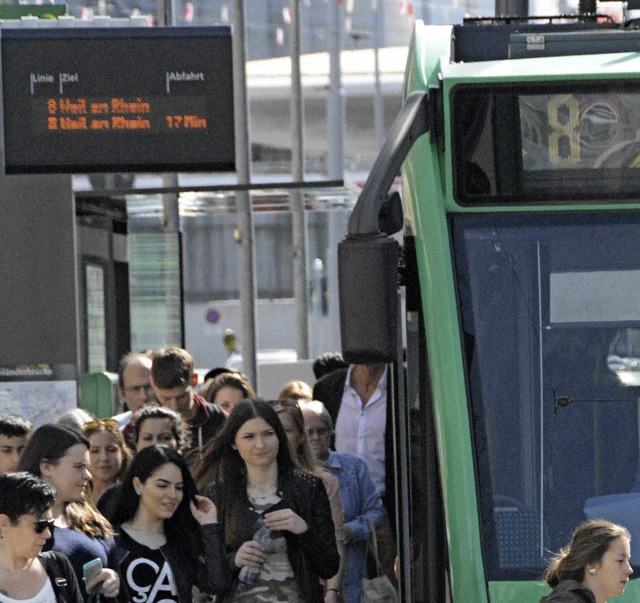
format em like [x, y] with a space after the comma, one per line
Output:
[207, 492]
[194, 492]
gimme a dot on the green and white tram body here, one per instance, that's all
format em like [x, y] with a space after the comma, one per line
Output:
[520, 152]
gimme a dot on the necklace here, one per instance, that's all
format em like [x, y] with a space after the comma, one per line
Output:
[270, 488]
[260, 494]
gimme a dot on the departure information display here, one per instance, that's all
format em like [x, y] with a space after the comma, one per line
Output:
[117, 99]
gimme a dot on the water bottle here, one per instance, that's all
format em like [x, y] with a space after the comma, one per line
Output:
[249, 575]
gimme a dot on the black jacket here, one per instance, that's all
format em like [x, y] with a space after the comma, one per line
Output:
[211, 574]
[329, 389]
[570, 591]
[313, 555]
[62, 576]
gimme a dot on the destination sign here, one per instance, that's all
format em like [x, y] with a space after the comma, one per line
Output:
[124, 99]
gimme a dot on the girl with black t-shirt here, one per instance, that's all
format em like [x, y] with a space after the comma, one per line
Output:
[168, 539]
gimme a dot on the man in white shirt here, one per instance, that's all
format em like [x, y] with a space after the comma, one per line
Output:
[356, 399]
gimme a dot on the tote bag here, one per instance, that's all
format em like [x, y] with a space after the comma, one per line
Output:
[380, 587]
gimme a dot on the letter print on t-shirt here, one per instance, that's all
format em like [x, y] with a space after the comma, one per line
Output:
[149, 578]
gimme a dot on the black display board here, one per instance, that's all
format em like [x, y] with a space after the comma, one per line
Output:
[121, 99]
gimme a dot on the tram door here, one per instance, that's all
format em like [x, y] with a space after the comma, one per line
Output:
[103, 275]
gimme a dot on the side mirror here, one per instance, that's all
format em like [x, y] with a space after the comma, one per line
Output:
[390, 216]
[368, 285]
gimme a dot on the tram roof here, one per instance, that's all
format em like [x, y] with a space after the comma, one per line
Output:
[589, 67]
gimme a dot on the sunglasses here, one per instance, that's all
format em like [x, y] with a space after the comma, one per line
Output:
[43, 524]
[108, 423]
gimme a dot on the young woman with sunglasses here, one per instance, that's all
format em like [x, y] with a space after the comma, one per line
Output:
[25, 525]
[169, 539]
[108, 455]
[60, 456]
[253, 480]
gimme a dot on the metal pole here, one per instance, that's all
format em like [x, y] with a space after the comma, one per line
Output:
[245, 238]
[296, 197]
[378, 99]
[166, 12]
[170, 201]
[335, 109]
[512, 8]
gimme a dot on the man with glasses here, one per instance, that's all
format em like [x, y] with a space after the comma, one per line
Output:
[134, 388]
[173, 377]
[134, 381]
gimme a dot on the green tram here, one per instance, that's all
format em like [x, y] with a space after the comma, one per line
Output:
[516, 410]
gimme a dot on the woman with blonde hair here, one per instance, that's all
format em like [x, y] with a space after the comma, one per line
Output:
[296, 390]
[109, 455]
[594, 566]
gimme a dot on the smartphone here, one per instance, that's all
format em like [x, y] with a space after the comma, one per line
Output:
[90, 570]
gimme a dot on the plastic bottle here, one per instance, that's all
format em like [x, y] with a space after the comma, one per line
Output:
[249, 575]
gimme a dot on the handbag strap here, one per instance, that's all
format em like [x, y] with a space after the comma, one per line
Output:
[372, 545]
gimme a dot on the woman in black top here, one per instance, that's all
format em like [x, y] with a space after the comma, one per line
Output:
[25, 524]
[168, 538]
[593, 567]
[250, 475]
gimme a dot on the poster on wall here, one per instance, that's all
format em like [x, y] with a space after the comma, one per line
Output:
[32, 392]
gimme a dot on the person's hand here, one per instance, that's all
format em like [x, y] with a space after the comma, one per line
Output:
[110, 583]
[204, 511]
[285, 519]
[250, 554]
[332, 596]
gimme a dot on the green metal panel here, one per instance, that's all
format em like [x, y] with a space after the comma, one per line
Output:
[44, 11]
[426, 212]
[531, 592]
[98, 395]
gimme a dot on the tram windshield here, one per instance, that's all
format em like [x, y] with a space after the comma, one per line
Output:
[551, 320]
[571, 142]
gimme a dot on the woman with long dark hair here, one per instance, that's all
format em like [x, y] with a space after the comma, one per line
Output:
[226, 390]
[149, 425]
[249, 473]
[168, 537]
[159, 425]
[60, 456]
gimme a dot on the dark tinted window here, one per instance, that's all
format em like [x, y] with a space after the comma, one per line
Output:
[551, 142]
[551, 319]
